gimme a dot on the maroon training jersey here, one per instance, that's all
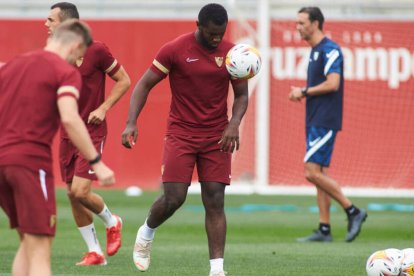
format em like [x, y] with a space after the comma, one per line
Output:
[30, 85]
[199, 84]
[96, 63]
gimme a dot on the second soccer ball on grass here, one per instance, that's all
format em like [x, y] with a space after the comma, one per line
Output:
[385, 262]
[407, 265]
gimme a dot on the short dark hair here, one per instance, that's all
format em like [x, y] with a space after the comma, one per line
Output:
[73, 26]
[67, 10]
[213, 12]
[315, 14]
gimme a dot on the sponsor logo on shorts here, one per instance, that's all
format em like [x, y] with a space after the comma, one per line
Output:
[312, 143]
[52, 221]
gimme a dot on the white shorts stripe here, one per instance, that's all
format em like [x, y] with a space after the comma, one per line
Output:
[318, 145]
[42, 178]
[102, 147]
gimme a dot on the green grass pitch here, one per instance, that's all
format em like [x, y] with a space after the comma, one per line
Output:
[261, 237]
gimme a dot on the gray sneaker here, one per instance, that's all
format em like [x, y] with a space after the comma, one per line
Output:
[317, 236]
[355, 224]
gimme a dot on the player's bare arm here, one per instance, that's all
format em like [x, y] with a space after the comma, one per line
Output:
[138, 99]
[121, 86]
[230, 139]
[76, 129]
[329, 86]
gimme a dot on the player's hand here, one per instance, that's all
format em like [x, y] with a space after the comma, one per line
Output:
[230, 139]
[295, 94]
[96, 117]
[129, 136]
[104, 174]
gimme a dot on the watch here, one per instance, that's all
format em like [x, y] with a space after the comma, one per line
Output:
[95, 160]
[304, 91]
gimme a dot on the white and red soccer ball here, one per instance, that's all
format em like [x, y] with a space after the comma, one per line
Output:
[391, 262]
[407, 265]
[243, 61]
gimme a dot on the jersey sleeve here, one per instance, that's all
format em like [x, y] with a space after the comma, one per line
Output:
[163, 61]
[333, 60]
[70, 83]
[106, 62]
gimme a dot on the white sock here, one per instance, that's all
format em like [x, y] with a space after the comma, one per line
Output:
[89, 236]
[107, 217]
[146, 232]
[216, 265]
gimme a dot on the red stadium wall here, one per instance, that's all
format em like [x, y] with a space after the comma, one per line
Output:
[375, 148]
[134, 44]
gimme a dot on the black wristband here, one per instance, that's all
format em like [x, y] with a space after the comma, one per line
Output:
[96, 160]
[304, 91]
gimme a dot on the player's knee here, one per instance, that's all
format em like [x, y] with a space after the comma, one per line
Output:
[308, 175]
[312, 176]
[173, 204]
[77, 195]
[71, 195]
[216, 206]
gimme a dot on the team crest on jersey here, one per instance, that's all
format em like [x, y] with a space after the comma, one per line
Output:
[219, 61]
[315, 56]
[79, 62]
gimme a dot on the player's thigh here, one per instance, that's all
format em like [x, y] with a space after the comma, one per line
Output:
[67, 157]
[34, 200]
[213, 165]
[39, 244]
[7, 202]
[179, 159]
[175, 192]
[82, 167]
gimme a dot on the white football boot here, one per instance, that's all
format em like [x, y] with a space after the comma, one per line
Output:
[218, 273]
[141, 254]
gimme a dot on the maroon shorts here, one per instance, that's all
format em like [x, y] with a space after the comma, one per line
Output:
[73, 163]
[182, 153]
[28, 199]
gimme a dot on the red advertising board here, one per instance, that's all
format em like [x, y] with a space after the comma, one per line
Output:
[374, 149]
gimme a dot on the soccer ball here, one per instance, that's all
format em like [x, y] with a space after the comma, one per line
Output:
[243, 61]
[385, 262]
[407, 266]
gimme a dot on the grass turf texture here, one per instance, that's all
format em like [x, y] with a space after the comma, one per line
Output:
[258, 242]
